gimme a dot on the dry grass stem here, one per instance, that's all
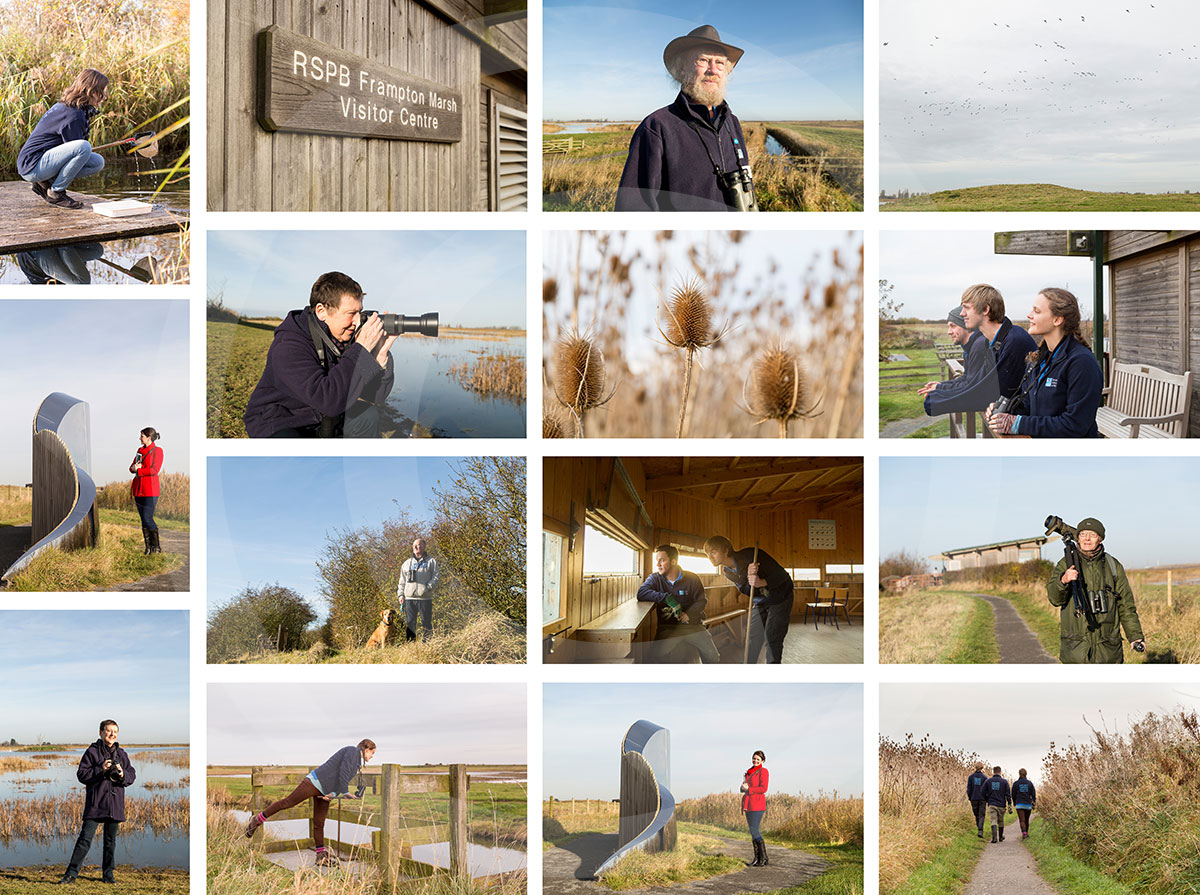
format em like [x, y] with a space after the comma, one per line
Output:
[689, 327]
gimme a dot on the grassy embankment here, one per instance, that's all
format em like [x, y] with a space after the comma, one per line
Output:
[131, 881]
[118, 556]
[486, 639]
[586, 179]
[936, 626]
[1042, 197]
[838, 143]
[828, 826]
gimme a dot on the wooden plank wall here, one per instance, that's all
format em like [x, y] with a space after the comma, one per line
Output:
[250, 169]
[55, 485]
[1193, 340]
[1148, 309]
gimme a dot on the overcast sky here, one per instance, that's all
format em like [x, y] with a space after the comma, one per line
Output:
[803, 58]
[1094, 96]
[127, 358]
[811, 734]
[66, 671]
[263, 527]
[410, 723]
[1138, 499]
[1012, 725]
[931, 268]
[470, 278]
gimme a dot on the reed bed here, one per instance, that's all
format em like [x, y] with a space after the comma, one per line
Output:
[13, 765]
[618, 376]
[824, 818]
[175, 502]
[920, 800]
[176, 759]
[1126, 802]
[781, 186]
[44, 44]
[16, 505]
[493, 375]
[47, 817]
[165, 784]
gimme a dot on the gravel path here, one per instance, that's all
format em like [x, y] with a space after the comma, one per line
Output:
[1018, 645]
[901, 428]
[1007, 868]
[176, 581]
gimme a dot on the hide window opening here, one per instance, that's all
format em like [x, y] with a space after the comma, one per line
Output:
[605, 555]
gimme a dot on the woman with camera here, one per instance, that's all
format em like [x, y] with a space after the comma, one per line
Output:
[105, 771]
[754, 805]
[330, 781]
[147, 463]
[58, 151]
[1060, 393]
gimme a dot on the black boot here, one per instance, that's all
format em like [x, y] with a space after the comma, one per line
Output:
[993, 834]
[1002, 834]
[758, 854]
[762, 845]
[146, 540]
[155, 547]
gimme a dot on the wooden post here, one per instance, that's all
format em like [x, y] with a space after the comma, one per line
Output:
[1169, 601]
[458, 821]
[572, 807]
[550, 806]
[390, 825]
[257, 804]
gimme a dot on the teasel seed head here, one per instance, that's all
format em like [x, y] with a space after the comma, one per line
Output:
[553, 423]
[579, 377]
[779, 389]
[689, 317]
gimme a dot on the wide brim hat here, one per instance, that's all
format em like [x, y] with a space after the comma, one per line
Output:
[704, 36]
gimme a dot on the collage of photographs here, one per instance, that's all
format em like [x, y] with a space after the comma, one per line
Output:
[732, 464]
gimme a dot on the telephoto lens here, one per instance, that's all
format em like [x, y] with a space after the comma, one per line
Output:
[399, 324]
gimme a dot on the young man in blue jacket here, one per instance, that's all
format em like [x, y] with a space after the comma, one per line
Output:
[999, 797]
[684, 157]
[681, 601]
[325, 374]
[976, 796]
[976, 388]
[983, 311]
[105, 771]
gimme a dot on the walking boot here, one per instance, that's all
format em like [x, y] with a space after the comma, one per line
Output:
[1002, 834]
[326, 858]
[994, 833]
[146, 540]
[762, 843]
[253, 825]
[757, 860]
[155, 546]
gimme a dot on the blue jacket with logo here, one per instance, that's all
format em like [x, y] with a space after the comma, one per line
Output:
[1024, 795]
[996, 791]
[975, 786]
[668, 168]
[688, 591]
[1010, 348]
[1063, 393]
[975, 389]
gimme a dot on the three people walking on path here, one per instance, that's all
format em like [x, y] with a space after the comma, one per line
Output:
[995, 796]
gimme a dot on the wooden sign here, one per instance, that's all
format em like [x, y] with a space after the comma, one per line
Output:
[1044, 242]
[306, 86]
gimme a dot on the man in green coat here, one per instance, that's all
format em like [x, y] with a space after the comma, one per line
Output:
[1101, 573]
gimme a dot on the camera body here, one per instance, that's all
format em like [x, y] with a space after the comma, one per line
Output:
[115, 774]
[399, 324]
[738, 186]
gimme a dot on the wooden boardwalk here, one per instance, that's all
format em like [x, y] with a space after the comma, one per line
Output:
[27, 222]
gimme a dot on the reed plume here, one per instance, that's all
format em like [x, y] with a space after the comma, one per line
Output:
[579, 376]
[689, 328]
[778, 389]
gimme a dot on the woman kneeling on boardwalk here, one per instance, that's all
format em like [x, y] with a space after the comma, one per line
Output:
[754, 805]
[330, 781]
[58, 151]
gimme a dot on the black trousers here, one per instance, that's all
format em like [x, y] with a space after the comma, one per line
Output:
[84, 843]
[979, 806]
[769, 624]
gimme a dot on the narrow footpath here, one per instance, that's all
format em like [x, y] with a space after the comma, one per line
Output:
[1007, 868]
[1018, 645]
[175, 581]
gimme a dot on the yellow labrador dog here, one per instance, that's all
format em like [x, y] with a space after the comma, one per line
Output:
[379, 638]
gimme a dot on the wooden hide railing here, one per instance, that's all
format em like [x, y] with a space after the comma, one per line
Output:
[391, 844]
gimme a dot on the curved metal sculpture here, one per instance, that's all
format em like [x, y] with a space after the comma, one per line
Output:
[64, 494]
[647, 806]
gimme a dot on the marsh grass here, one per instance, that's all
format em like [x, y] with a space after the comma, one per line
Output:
[44, 44]
[175, 759]
[797, 819]
[493, 375]
[1041, 197]
[46, 817]
[133, 880]
[936, 626]
[695, 857]
[10, 765]
[116, 559]
[174, 502]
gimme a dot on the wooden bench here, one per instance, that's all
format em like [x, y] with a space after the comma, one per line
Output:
[614, 633]
[1145, 402]
[732, 623]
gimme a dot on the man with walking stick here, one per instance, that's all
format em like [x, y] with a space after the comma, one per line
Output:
[755, 573]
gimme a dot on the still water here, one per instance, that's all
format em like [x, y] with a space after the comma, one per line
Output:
[427, 393]
[583, 127]
[113, 261]
[56, 777]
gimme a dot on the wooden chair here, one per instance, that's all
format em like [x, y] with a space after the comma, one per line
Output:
[841, 600]
[822, 603]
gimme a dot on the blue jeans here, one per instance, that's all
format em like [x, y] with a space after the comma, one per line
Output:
[64, 163]
[754, 818]
[769, 623]
[145, 507]
[84, 842]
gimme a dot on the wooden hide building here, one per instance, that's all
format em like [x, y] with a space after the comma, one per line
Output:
[997, 554]
[367, 105]
[804, 512]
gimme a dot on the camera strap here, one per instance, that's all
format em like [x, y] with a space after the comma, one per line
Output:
[716, 168]
[328, 426]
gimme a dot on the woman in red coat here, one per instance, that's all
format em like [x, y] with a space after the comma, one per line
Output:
[754, 805]
[145, 468]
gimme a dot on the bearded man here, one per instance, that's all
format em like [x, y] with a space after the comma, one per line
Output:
[691, 155]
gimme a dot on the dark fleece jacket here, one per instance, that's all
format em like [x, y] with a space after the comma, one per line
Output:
[104, 799]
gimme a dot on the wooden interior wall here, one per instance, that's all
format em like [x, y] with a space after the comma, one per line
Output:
[251, 169]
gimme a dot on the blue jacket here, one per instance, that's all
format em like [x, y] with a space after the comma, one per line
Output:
[104, 799]
[668, 168]
[1023, 793]
[1010, 348]
[688, 591]
[975, 786]
[1063, 393]
[996, 791]
[975, 389]
[62, 124]
[295, 391]
[339, 769]
[779, 582]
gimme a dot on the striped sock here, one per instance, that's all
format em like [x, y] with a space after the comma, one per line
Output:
[261, 819]
[320, 849]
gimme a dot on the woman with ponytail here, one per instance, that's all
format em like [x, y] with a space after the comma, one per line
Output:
[147, 463]
[754, 804]
[1060, 393]
[58, 151]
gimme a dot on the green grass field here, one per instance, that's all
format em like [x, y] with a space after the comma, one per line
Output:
[838, 138]
[1042, 197]
[237, 353]
[1061, 870]
[153, 881]
[936, 627]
